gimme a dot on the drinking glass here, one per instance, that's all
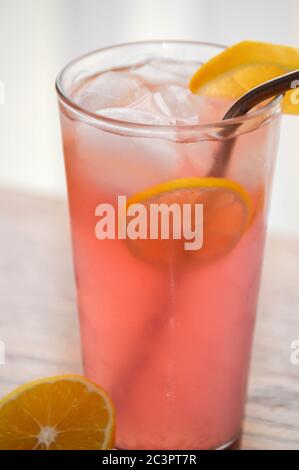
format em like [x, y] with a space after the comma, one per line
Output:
[169, 340]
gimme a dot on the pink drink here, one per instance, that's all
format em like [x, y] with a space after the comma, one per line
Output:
[170, 342]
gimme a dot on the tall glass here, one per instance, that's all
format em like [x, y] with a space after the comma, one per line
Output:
[169, 340]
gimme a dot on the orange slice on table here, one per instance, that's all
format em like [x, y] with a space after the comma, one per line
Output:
[227, 211]
[243, 66]
[66, 412]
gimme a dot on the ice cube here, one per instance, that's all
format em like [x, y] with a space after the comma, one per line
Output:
[176, 103]
[111, 89]
[138, 116]
[210, 109]
[160, 71]
[123, 165]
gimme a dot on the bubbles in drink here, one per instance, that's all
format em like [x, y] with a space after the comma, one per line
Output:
[250, 162]
[201, 155]
[122, 164]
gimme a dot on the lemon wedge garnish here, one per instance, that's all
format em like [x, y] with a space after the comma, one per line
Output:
[243, 66]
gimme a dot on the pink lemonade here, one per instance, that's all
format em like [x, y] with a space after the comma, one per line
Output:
[169, 341]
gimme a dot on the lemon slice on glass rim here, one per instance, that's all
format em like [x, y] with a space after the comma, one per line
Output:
[242, 67]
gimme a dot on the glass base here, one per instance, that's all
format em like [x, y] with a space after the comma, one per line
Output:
[233, 444]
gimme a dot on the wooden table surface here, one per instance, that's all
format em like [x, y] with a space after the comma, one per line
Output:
[38, 321]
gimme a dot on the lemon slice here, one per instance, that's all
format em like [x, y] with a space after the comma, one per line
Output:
[227, 210]
[66, 412]
[243, 66]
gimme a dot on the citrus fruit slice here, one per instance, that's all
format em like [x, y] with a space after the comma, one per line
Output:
[58, 413]
[227, 210]
[243, 66]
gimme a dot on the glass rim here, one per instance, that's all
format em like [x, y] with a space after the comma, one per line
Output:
[265, 109]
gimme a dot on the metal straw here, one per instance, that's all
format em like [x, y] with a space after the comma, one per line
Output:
[271, 88]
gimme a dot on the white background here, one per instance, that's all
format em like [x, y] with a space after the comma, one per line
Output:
[37, 37]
